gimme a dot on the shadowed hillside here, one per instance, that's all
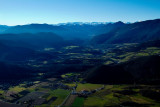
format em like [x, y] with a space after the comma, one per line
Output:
[38, 40]
[140, 70]
[131, 33]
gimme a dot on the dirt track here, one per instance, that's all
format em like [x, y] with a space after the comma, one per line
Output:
[70, 100]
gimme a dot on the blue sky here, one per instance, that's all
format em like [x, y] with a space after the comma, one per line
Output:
[19, 12]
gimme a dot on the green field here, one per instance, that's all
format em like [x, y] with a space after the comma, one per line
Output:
[116, 95]
[17, 89]
[78, 102]
[88, 86]
[60, 94]
[1, 91]
[126, 56]
[69, 75]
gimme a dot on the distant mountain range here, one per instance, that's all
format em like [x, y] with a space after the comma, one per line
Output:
[98, 32]
[95, 33]
[130, 33]
[83, 23]
[67, 31]
[3, 28]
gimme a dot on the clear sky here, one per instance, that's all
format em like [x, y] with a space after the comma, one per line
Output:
[18, 12]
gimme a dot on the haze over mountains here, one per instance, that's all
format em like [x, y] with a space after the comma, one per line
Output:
[23, 43]
[118, 32]
[68, 31]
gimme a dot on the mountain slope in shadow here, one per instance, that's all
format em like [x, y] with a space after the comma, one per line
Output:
[131, 33]
[141, 70]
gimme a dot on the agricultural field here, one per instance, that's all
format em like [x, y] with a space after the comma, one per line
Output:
[78, 102]
[49, 89]
[88, 86]
[61, 94]
[126, 55]
[124, 95]
[40, 94]
[85, 86]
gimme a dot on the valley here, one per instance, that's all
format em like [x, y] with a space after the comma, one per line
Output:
[44, 69]
[53, 79]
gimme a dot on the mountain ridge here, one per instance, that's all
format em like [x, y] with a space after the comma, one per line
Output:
[131, 33]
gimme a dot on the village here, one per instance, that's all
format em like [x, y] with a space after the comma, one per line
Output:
[44, 92]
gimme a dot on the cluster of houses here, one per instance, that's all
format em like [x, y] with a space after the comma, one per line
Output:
[60, 85]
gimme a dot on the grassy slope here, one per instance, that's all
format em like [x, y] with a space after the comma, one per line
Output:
[109, 97]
